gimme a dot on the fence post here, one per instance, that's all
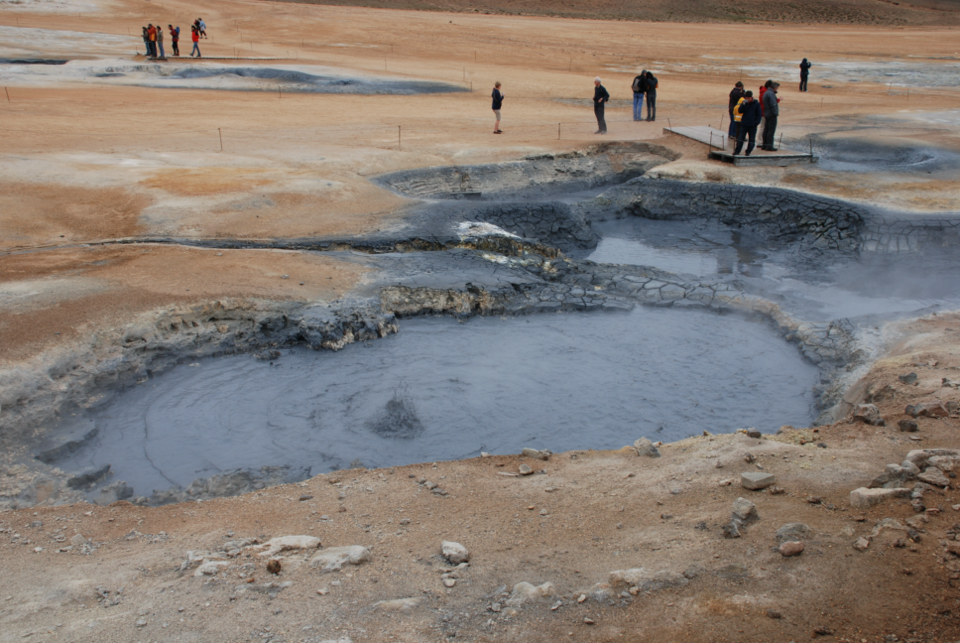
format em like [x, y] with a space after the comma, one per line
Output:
[558, 131]
[221, 138]
[399, 142]
[7, 91]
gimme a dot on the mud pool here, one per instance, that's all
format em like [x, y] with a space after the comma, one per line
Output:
[441, 390]
[813, 286]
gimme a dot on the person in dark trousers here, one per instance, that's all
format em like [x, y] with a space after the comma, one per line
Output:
[497, 104]
[195, 37]
[146, 40]
[175, 39]
[771, 112]
[735, 95]
[651, 92]
[600, 98]
[163, 54]
[749, 111]
[639, 89]
[804, 73]
[152, 36]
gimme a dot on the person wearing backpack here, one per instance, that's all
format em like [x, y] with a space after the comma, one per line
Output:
[651, 91]
[497, 96]
[639, 88]
[175, 39]
[736, 94]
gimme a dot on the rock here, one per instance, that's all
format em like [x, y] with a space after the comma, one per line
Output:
[774, 614]
[525, 469]
[78, 541]
[793, 531]
[864, 498]
[920, 457]
[934, 476]
[289, 543]
[894, 476]
[274, 566]
[333, 559]
[756, 480]
[398, 604]
[536, 454]
[753, 433]
[141, 622]
[861, 544]
[114, 492]
[644, 580]
[868, 413]
[908, 426]
[454, 552]
[744, 511]
[732, 530]
[932, 409]
[88, 478]
[524, 592]
[210, 568]
[791, 548]
[449, 582]
[909, 378]
[646, 448]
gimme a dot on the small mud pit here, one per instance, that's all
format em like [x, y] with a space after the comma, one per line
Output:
[441, 390]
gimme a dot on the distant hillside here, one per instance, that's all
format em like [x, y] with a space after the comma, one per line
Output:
[859, 12]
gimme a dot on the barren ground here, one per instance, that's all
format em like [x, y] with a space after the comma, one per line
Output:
[85, 163]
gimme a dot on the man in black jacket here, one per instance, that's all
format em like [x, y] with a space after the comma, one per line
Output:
[771, 112]
[600, 98]
[652, 83]
[749, 120]
[735, 95]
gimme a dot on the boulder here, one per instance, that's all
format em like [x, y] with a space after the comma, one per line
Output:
[934, 476]
[744, 511]
[894, 476]
[931, 409]
[454, 552]
[537, 454]
[793, 531]
[920, 457]
[524, 592]
[645, 447]
[864, 498]
[868, 413]
[756, 480]
[333, 559]
[289, 543]
[908, 426]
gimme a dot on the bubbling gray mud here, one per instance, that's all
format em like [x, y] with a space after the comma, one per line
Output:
[441, 390]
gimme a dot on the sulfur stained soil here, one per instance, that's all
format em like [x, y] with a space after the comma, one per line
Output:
[88, 164]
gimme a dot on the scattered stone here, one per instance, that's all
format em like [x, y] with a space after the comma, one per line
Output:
[895, 476]
[908, 426]
[210, 568]
[868, 413]
[114, 492]
[274, 566]
[744, 511]
[933, 409]
[753, 433]
[333, 559]
[756, 480]
[496, 607]
[525, 469]
[141, 622]
[861, 544]
[449, 582]
[454, 552]
[732, 530]
[822, 631]
[644, 580]
[793, 531]
[398, 604]
[774, 614]
[588, 621]
[524, 592]
[306, 496]
[646, 448]
[581, 598]
[864, 498]
[934, 476]
[814, 500]
[791, 548]
[288, 543]
[948, 383]
[78, 541]
[748, 458]
[777, 491]
[909, 378]
[537, 454]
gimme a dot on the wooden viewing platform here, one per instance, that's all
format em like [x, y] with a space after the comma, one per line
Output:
[721, 148]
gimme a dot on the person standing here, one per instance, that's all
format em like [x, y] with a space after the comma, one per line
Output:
[651, 91]
[736, 94]
[195, 36]
[163, 54]
[152, 35]
[804, 73]
[497, 96]
[175, 39]
[771, 112]
[202, 27]
[748, 111]
[639, 88]
[146, 40]
[600, 98]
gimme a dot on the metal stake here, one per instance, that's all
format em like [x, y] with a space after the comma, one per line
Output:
[221, 138]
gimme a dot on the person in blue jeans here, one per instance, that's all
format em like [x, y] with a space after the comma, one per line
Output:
[639, 88]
